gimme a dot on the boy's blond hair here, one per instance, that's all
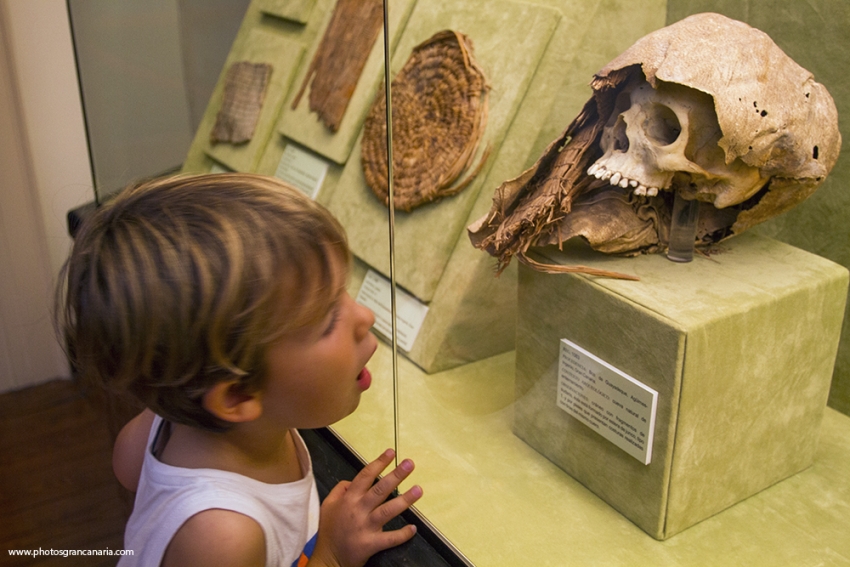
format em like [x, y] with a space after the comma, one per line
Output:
[181, 283]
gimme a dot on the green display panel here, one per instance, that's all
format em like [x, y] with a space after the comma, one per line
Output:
[295, 10]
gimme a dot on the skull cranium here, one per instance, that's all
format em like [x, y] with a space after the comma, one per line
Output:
[667, 139]
[708, 107]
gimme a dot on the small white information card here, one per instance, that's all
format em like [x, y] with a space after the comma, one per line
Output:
[302, 169]
[612, 403]
[409, 313]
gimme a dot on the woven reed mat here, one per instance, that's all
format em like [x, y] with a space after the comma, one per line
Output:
[439, 101]
[340, 58]
[244, 90]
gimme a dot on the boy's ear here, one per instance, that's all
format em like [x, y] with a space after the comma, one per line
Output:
[229, 402]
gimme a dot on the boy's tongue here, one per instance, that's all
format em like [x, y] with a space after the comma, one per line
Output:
[364, 379]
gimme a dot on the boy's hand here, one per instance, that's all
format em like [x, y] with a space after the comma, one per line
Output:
[354, 513]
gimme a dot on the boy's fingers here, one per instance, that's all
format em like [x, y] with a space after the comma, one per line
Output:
[367, 475]
[393, 538]
[383, 488]
[389, 510]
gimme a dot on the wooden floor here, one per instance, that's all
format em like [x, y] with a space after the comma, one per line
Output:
[57, 490]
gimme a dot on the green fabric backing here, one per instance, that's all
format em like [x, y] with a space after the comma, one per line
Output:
[740, 347]
[295, 10]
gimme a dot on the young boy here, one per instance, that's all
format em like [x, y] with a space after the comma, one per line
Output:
[219, 302]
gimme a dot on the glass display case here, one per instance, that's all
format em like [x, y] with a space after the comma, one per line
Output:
[480, 377]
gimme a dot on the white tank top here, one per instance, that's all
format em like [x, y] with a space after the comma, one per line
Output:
[168, 496]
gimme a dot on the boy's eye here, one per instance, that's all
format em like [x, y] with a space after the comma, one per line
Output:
[334, 317]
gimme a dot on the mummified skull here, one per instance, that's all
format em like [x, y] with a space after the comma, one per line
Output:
[708, 107]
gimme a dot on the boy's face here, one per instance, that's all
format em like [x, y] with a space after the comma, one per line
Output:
[316, 375]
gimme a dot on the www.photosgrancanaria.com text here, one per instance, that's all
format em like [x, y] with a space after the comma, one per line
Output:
[42, 552]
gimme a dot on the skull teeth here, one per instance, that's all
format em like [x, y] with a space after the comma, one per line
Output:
[617, 179]
[646, 191]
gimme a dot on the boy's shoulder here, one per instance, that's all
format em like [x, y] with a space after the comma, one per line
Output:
[217, 537]
[128, 454]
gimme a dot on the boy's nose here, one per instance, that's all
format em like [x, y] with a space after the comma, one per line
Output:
[365, 317]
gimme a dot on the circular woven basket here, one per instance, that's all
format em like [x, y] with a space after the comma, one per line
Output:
[439, 101]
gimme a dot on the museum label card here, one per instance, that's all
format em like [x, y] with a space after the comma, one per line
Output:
[610, 402]
[302, 169]
[410, 312]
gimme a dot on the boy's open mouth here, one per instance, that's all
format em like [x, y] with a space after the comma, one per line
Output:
[364, 379]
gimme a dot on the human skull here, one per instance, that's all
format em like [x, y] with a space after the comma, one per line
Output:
[667, 138]
[707, 107]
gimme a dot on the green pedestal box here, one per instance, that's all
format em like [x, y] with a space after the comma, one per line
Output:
[738, 348]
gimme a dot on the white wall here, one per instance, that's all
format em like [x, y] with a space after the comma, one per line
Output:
[44, 172]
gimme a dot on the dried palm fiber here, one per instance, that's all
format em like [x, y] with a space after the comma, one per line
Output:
[340, 58]
[544, 194]
[244, 90]
[439, 101]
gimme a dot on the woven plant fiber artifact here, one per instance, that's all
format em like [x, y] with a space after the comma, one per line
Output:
[244, 91]
[439, 103]
[340, 58]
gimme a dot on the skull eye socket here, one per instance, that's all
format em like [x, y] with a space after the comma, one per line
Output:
[662, 125]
